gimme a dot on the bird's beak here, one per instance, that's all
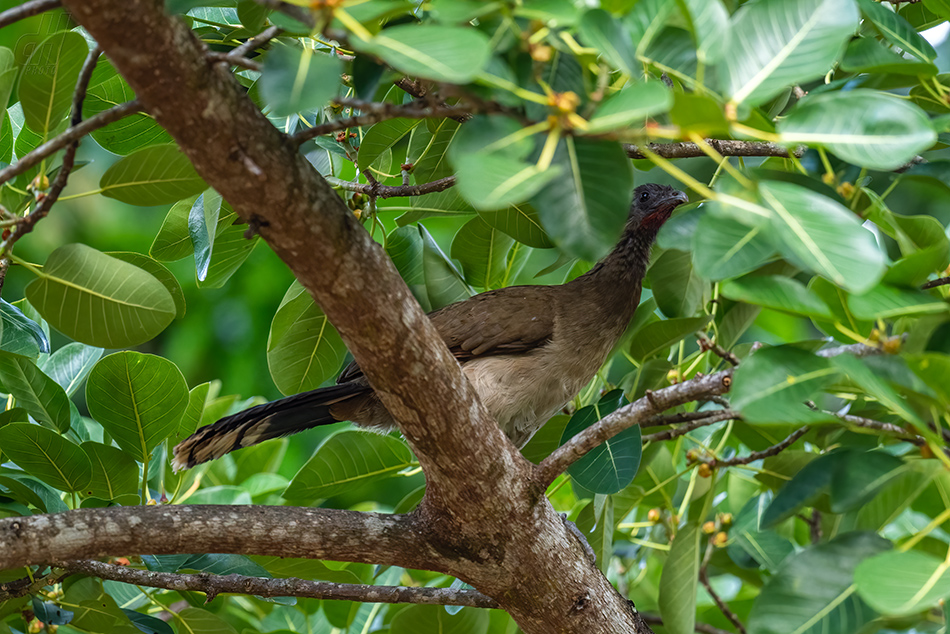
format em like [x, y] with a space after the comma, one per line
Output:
[666, 207]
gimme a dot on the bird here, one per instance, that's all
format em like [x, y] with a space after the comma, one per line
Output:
[527, 350]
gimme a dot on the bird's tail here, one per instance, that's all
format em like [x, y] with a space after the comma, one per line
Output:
[271, 420]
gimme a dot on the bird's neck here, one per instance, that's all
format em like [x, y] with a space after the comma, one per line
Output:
[616, 280]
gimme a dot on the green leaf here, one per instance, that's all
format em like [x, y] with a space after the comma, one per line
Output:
[404, 247]
[173, 242]
[887, 302]
[43, 453]
[19, 334]
[724, 248]
[381, 137]
[610, 467]
[676, 284]
[784, 42]
[708, 21]
[876, 387]
[114, 472]
[492, 181]
[658, 336]
[157, 270]
[859, 475]
[202, 227]
[35, 392]
[749, 541]
[303, 347]
[231, 249]
[814, 591]
[599, 30]
[823, 236]
[434, 618]
[630, 106]
[46, 90]
[51, 613]
[201, 621]
[778, 292]
[897, 30]
[444, 283]
[70, 365]
[772, 385]
[155, 175]
[299, 79]
[678, 581]
[865, 127]
[902, 583]
[596, 523]
[443, 53]
[345, 460]
[584, 210]
[868, 55]
[148, 624]
[805, 486]
[521, 222]
[138, 399]
[99, 300]
[483, 252]
[134, 132]
[226, 564]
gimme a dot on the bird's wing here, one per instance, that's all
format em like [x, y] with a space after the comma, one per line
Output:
[509, 320]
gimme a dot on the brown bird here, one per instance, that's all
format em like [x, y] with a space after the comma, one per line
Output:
[527, 350]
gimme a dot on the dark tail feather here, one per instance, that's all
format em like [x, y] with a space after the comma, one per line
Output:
[271, 420]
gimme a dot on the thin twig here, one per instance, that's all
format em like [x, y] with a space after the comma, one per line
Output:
[943, 281]
[723, 607]
[684, 429]
[26, 10]
[257, 41]
[705, 344]
[71, 135]
[688, 417]
[234, 60]
[69, 157]
[888, 428]
[213, 585]
[26, 585]
[765, 453]
[391, 191]
[856, 349]
[382, 113]
[726, 147]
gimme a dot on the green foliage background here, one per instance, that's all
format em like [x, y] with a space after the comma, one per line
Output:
[844, 531]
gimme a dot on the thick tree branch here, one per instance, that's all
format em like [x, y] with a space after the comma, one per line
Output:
[213, 585]
[726, 147]
[71, 135]
[628, 416]
[263, 530]
[26, 10]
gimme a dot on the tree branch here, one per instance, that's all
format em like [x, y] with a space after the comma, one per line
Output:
[723, 607]
[213, 585]
[684, 429]
[942, 281]
[765, 453]
[283, 531]
[628, 416]
[26, 10]
[257, 41]
[726, 147]
[383, 113]
[389, 191]
[856, 349]
[71, 135]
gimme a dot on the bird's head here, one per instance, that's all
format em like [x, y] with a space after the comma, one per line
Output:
[652, 205]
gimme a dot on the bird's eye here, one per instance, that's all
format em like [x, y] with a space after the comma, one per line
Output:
[644, 196]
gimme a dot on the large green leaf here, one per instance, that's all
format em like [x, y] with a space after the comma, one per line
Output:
[114, 472]
[49, 78]
[155, 175]
[723, 247]
[99, 300]
[610, 467]
[630, 106]
[677, 285]
[865, 127]
[772, 385]
[157, 270]
[444, 283]
[19, 334]
[708, 21]
[346, 460]
[783, 42]
[202, 227]
[299, 78]
[35, 392]
[138, 398]
[901, 583]
[584, 210]
[814, 591]
[303, 347]
[521, 222]
[599, 30]
[43, 453]
[404, 247]
[494, 181]
[750, 542]
[811, 478]
[435, 618]
[823, 236]
[859, 475]
[897, 30]
[876, 387]
[382, 137]
[173, 241]
[887, 302]
[778, 292]
[658, 336]
[134, 132]
[678, 581]
[482, 251]
[443, 53]
[201, 621]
